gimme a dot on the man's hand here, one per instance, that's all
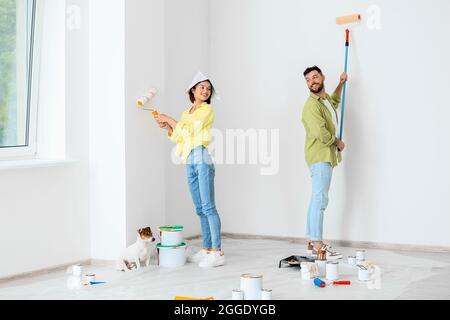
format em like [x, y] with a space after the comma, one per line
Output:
[340, 145]
[344, 78]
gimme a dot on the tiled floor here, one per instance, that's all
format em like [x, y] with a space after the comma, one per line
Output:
[404, 275]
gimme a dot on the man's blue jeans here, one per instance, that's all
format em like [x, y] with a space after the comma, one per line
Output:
[321, 179]
[200, 173]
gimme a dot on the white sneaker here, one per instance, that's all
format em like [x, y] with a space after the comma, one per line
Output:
[214, 259]
[199, 256]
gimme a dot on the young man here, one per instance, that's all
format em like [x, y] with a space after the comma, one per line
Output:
[322, 152]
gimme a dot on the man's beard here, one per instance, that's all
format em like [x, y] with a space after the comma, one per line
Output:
[317, 90]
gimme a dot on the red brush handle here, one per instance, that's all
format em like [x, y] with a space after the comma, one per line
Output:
[342, 282]
[347, 38]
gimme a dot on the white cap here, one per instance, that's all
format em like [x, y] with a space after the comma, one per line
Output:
[200, 77]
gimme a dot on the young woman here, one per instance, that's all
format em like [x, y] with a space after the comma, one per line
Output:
[192, 136]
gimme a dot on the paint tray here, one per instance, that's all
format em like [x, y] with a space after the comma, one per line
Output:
[294, 261]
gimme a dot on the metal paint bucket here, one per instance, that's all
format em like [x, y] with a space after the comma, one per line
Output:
[332, 270]
[251, 285]
[266, 294]
[237, 294]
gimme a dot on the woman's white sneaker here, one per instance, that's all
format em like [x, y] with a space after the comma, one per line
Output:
[214, 259]
[199, 256]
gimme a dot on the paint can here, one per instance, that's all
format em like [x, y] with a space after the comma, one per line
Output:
[171, 235]
[361, 255]
[88, 278]
[237, 294]
[77, 270]
[171, 256]
[251, 285]
[332, 270]
[364, 274]
[352, 260]
[322, 267]
[305, 271]
[266, 294]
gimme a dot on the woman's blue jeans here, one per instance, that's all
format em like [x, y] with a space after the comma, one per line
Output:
[321, 179]
[200, 173]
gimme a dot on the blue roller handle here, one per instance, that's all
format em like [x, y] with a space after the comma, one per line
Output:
[347, 43]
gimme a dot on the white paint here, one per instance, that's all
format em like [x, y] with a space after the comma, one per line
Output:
[390, 186]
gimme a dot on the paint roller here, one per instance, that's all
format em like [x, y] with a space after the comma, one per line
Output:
[341, 21]
[322, 284]
[147, 97]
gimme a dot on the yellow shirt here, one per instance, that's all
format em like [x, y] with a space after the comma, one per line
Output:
[193, 130]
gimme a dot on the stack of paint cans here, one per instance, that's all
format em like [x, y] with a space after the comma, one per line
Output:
[172, 249]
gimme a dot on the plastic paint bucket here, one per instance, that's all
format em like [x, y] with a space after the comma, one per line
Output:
[172, 256]
[251, 285]
[171, 235]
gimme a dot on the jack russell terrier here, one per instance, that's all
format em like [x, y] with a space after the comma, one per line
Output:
[139, 251]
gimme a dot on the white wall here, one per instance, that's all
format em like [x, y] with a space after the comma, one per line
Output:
[391, 186]
[144, 141]
[187, 42]
[44, 210]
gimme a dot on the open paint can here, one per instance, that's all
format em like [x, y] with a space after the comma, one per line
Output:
[172, 256]
[251, 285]
[322, 267]
[171, 235]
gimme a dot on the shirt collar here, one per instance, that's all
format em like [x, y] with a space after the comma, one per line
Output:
[315, 96]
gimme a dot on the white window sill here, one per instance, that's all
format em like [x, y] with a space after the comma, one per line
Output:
[34, 163]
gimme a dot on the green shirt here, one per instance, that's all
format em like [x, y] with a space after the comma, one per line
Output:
[320, 130]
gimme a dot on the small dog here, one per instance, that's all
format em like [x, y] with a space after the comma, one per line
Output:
[138, 251]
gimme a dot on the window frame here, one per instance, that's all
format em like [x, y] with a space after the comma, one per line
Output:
[29, 150]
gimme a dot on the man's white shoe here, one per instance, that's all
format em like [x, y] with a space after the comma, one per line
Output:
[214, 259]
[199, 256]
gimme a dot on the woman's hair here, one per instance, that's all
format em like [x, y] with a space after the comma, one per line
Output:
[191, 94]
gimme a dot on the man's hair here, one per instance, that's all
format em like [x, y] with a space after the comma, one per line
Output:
[311, 69]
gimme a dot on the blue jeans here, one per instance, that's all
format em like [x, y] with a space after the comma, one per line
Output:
[200, 173]
[321, 179]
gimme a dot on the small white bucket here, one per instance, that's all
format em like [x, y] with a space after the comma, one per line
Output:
[171, 235]
[172, 256]
[361, 255]
[237, 294]
[252, 286]
[266, 294]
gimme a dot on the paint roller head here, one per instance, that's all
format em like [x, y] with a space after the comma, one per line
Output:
[348, 19]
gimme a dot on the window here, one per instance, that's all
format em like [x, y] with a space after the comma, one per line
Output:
[17, 75]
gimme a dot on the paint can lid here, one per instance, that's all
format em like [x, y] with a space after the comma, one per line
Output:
[171, 228]
[171, 247]
[251, 276]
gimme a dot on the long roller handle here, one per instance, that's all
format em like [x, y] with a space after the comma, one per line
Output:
[347, 44]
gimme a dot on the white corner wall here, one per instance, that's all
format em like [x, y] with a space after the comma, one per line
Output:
[393, 183]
